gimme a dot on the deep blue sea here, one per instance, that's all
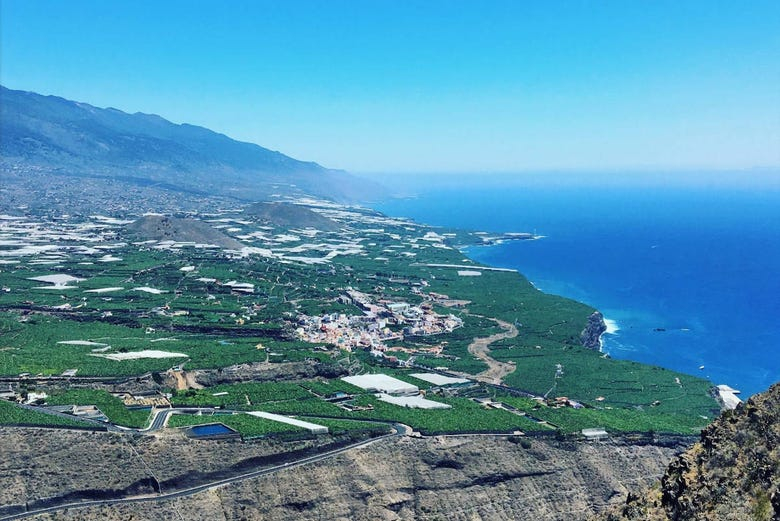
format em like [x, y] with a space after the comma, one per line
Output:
[702, 264]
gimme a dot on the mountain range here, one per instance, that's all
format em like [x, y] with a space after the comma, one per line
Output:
[57, 137]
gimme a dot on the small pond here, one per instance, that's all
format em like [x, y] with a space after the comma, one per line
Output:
[212, 429]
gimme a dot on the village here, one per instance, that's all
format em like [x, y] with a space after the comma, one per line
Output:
[381, 322]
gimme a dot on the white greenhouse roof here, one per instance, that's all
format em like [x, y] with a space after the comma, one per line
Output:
[313, 427]
[381, 382]
[438, 379]
[416, 402]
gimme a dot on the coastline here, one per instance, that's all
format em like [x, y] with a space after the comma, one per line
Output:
[726, 396]
[594, 330]
[590, 339]
[477, 251]
[612, 328]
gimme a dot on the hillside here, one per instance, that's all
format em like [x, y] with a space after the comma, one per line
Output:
[288, 215]
[733, 472]
[163, 228]
[53, 137]
[464, 478]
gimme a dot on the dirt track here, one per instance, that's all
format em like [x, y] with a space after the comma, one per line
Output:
[185, 380]
[480, 348]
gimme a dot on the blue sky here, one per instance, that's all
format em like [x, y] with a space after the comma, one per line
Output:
[427, 86]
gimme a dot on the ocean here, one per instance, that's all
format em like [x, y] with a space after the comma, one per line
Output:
[687, 276]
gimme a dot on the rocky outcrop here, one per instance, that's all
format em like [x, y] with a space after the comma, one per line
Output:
[733, 472]
[591, 335]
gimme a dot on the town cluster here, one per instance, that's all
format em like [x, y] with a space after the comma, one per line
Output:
[381, 322]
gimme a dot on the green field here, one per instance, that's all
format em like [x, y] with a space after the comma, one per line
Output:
[240, 395]
[109, 405]
[11, 414]
[247, 426]
[252, 426]
[198, 316]
[648, 419]
[465, 415]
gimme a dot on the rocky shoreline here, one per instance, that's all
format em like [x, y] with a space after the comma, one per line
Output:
[595, 328]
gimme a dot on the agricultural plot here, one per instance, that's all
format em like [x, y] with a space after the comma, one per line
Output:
[11, 414]
[622, 420]
[36, 346]
[109, 405]
[329, 387]
[464, 416]
[590, 378]
[307, 406]
[130, 306]
[336, 427]
[246, 425]
[252, 426]
[244, 395]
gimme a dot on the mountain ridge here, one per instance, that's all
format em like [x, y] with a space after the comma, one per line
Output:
[48, 133]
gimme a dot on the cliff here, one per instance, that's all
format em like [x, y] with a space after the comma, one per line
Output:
[591, 335]
[733, 472]
[458, 478]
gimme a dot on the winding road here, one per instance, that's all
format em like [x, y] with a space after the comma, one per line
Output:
[399, 430]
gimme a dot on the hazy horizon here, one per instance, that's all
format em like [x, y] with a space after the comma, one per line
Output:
[750, 179]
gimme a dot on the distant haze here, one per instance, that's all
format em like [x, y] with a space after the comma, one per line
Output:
[412, 184]
[429, 85]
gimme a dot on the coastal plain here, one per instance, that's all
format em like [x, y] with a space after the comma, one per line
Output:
[148, 325]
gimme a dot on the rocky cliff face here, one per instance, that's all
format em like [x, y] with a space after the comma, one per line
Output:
[457, 478]
[591, 335]
[733, 472]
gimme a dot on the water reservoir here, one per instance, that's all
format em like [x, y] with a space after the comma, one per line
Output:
[211, 430]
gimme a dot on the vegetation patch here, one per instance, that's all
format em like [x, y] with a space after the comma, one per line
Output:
[108, 404]
[11, 414]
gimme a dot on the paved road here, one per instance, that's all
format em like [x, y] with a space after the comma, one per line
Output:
[161, 416]
[399, 430]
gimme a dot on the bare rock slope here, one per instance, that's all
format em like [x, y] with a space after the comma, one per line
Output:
[452, 478]
[733, 472]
